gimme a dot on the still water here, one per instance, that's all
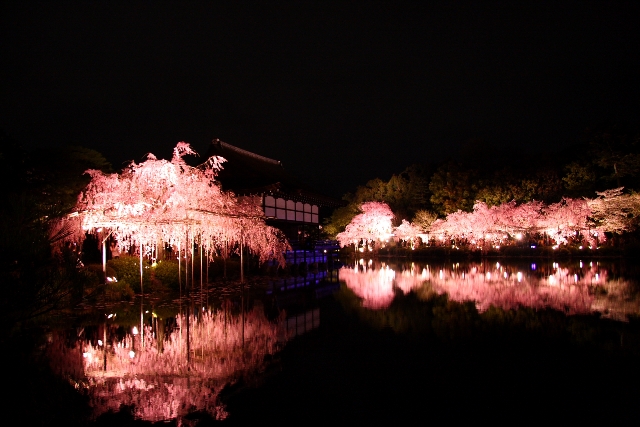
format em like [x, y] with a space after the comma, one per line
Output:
[343, 348]
[574, 287]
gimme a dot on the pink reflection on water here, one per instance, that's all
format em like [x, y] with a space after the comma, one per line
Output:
[161, 381]
[376, 286]
[510, 289]
[574, 290]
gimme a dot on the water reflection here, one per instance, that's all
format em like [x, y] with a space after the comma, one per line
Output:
[574, 288]
[165, 377]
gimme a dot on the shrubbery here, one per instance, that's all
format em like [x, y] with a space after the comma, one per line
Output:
[127, 271]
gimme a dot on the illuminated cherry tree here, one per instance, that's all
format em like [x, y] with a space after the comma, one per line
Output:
[372, 225]
[614, 211]
[170, 201]
[563, 221]
[408, 232]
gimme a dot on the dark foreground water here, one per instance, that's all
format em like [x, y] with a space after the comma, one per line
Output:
[397, 342]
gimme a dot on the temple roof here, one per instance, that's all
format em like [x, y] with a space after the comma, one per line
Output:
[247, 173]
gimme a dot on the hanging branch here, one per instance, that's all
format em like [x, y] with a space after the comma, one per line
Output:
[158, 200]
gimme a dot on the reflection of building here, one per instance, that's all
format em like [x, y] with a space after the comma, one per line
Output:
[288, 204]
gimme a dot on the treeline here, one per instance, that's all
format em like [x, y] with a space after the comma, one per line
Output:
[38, 187]
[601, 159]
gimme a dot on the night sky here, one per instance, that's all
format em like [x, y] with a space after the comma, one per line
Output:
[340, 92]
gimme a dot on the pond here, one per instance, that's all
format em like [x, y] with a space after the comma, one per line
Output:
[377, 340]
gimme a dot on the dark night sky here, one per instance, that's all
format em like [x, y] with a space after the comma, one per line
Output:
[340, 92]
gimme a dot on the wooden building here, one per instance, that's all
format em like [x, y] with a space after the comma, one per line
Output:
[288, 204]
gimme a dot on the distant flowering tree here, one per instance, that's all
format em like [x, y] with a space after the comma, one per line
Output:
[566, 219]
[424, 219]
[408, 233]
[615, 212]
[519, 219]
[373, 224]
[563, 221]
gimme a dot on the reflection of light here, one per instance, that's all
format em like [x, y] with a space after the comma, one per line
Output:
[505, 275]
[441, 274]
[519, 276]
[163, 386]
[99, 342]
[580, 264]
[575, 278]
[134, 331]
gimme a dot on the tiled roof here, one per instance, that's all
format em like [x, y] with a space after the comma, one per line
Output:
[246, 173]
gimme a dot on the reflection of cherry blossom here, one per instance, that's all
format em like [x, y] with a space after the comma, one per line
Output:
[376, 286]
[579, 290]
[510, 290]
[169, 383]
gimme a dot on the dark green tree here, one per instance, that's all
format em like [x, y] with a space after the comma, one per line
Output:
[453, 188]
[38, 188]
